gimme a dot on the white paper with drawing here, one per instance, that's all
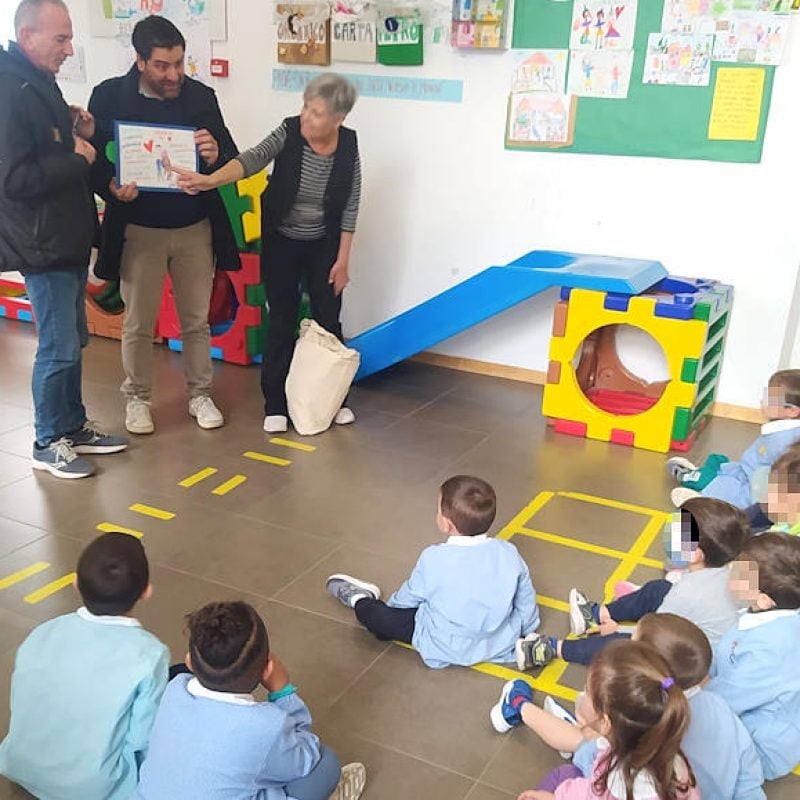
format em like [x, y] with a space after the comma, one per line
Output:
[145, 154]
[676, 60]
[603, 26]
[539, 117]
[752, 39]
[541, 71]
[600, 73]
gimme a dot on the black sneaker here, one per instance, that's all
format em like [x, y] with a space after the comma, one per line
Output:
[535, 651]
[59, 459]
[90, 440]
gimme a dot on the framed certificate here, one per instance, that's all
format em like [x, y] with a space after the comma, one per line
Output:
[146, 152]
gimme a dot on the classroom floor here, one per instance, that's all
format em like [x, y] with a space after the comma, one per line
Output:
[232, 514]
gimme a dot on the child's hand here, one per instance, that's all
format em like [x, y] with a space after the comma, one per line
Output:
[607, 628]
[536, 794]
[276, 676]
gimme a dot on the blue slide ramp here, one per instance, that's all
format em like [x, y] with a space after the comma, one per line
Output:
[492, 291]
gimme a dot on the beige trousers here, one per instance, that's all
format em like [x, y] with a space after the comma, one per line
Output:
[148, 254]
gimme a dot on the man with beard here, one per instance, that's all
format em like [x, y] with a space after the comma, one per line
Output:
[146, 234]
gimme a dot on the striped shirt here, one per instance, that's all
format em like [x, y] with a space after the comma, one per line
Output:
[306, 218]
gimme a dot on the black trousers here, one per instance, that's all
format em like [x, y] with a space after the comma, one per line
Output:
[285, 265]
[388, 624]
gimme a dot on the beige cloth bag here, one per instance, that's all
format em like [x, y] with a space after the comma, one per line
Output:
[319, 378]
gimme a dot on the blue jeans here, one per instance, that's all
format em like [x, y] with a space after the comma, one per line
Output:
[59, 308]
[321, 781]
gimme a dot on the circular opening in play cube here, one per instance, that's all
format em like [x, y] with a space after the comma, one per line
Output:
[621, 369]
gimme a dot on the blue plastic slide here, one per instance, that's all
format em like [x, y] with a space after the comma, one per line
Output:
[492, 291]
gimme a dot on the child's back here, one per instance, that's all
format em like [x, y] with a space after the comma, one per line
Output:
[84, 694]
[212, 748]
[474, 599]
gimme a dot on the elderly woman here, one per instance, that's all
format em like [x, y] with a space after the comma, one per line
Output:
[308, 216]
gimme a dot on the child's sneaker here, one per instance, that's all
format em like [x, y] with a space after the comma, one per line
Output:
[678, 467]
[681, 494]
[535, 651]
[506, 714]
[89, 439]
[559, 712]
[348, 590]
[352, 782]
[582, 614]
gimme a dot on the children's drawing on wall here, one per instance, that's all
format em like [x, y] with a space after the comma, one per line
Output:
[479, 23]
[676, 60]
[603, 26]
[768, 6]
[541, 71]
[541, 119]
[399, 32]
[602, 73]
[695, 16]
[303, 33]
[353, 31]
[752, 39]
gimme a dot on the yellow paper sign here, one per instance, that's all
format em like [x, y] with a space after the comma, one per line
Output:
[736, 109]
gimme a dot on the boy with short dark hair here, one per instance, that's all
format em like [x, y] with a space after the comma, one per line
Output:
[783, 493]
[213, 739]
[86, 685]
[756, 666]
[733, 480]
[467, 600]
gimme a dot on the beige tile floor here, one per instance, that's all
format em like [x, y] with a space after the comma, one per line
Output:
[363, 501]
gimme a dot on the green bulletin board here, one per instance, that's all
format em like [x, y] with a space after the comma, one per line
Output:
[661, 121]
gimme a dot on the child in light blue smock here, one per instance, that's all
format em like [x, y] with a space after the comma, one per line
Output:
[467, 600]
[757, 663]
[733, 481]
[86, 685]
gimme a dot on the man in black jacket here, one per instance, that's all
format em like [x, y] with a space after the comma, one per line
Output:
[147, 234]
[47, 219]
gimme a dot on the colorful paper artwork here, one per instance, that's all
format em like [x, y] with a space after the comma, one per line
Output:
[541, 71]
[600, 73]
[479, 24]
[304, 33]
[767, 6]
[353, 31]
[755, 39]
[736, 108]
[540, 118]
[677, 60]
[400, 41]
[603, 26]
[694, 16]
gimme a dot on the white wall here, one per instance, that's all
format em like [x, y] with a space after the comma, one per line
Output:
[443, 199]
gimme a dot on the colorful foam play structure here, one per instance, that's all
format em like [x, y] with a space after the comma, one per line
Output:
[600, 399]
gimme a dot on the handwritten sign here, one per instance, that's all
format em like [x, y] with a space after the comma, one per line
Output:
[736, 108]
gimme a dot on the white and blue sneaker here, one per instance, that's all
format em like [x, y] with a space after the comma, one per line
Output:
[348, 590]
[89, 439]
[61, 460]
[507, 713]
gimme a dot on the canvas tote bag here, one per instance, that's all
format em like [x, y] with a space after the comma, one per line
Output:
[320, 375]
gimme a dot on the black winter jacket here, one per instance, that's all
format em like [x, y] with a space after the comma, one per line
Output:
[119, 99]
[47, 211]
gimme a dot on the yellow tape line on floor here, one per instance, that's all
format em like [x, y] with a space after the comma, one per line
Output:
[278, 462]
[229, 485]
[150, 511]
[306, 448]
[22, 574]
[110, 527]
[49, 588]
[529, 511]
[191, 480]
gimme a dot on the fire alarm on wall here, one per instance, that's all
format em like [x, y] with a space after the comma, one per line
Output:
[219, 67]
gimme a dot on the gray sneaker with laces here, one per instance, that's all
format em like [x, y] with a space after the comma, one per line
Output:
[59, 459]
[90, 440]
[348, 590]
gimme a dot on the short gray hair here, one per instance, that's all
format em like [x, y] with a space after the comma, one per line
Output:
[336, 91]
[27, 14]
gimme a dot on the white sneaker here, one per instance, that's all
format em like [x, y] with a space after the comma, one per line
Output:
[352, 782]
[559, 712]
[344, 416]
[276, 423]
[678, 467]
[208, 416]
[137, 416]
[681, 494]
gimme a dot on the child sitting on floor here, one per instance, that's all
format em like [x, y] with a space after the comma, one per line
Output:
[213, 739]
[86, 685]
[732, 480]
[720, 750]
[640, 715]
[716, 534]
[467, 600]
[756, 664]
[783, 494]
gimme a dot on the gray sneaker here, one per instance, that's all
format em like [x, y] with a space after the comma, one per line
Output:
[352, 782]
[535, 651]
[90, 440]
[59, 459]
[348, 590]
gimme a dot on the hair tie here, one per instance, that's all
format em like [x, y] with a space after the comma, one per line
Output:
[667, 682]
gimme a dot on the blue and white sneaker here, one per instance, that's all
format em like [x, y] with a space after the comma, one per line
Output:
[348, 590]
[59, 459]
[507, 713]
[90, 440]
